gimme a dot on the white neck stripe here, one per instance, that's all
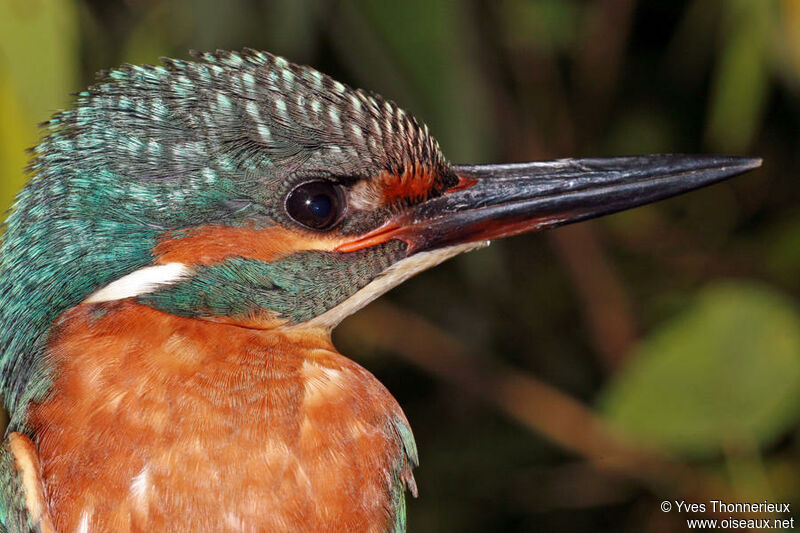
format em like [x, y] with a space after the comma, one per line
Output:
[142, 281]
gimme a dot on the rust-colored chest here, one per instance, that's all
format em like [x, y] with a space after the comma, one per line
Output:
[157, 421]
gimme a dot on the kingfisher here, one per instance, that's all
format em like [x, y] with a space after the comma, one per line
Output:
[169, 279]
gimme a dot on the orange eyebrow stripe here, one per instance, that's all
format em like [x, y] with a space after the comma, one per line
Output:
[205, 245]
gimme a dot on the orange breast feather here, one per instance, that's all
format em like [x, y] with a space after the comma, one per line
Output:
[158, 422]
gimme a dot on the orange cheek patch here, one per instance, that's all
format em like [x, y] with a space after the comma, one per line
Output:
[205, 245]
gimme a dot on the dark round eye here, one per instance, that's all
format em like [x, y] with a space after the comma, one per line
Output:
[316, 204]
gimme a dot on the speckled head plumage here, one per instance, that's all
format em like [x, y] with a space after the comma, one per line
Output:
[153, 151]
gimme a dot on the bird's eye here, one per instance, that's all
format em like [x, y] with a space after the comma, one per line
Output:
[316, 204]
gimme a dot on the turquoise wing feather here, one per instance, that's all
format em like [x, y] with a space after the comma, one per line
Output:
[14, 516]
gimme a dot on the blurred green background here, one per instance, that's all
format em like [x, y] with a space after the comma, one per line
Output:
[565, 381]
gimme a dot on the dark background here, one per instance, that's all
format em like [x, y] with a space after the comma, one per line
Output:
[566, 381]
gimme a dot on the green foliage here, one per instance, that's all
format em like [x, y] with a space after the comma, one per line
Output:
[434, 51]
[16, 134]
[782, 257]
[551, 25]
[38, 66]
[741, 78]
[726, 371]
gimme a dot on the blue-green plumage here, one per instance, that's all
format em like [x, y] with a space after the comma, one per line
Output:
[151, 151]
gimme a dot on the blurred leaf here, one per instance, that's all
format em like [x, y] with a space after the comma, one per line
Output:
[788, 40]
[292, 27]
[725, 371]
[38, 62]
[430, 42]
[741, 78]
[693, 43]
[782, 256]
[17, 133]
[550, 25]
[637, 224]
[641, 131]
[172, 28]
[38, 52]
[150, 39]
[284, 27]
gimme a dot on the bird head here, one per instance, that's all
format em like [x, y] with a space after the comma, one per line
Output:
[244, 189]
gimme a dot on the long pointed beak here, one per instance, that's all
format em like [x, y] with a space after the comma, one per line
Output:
[494, 201]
